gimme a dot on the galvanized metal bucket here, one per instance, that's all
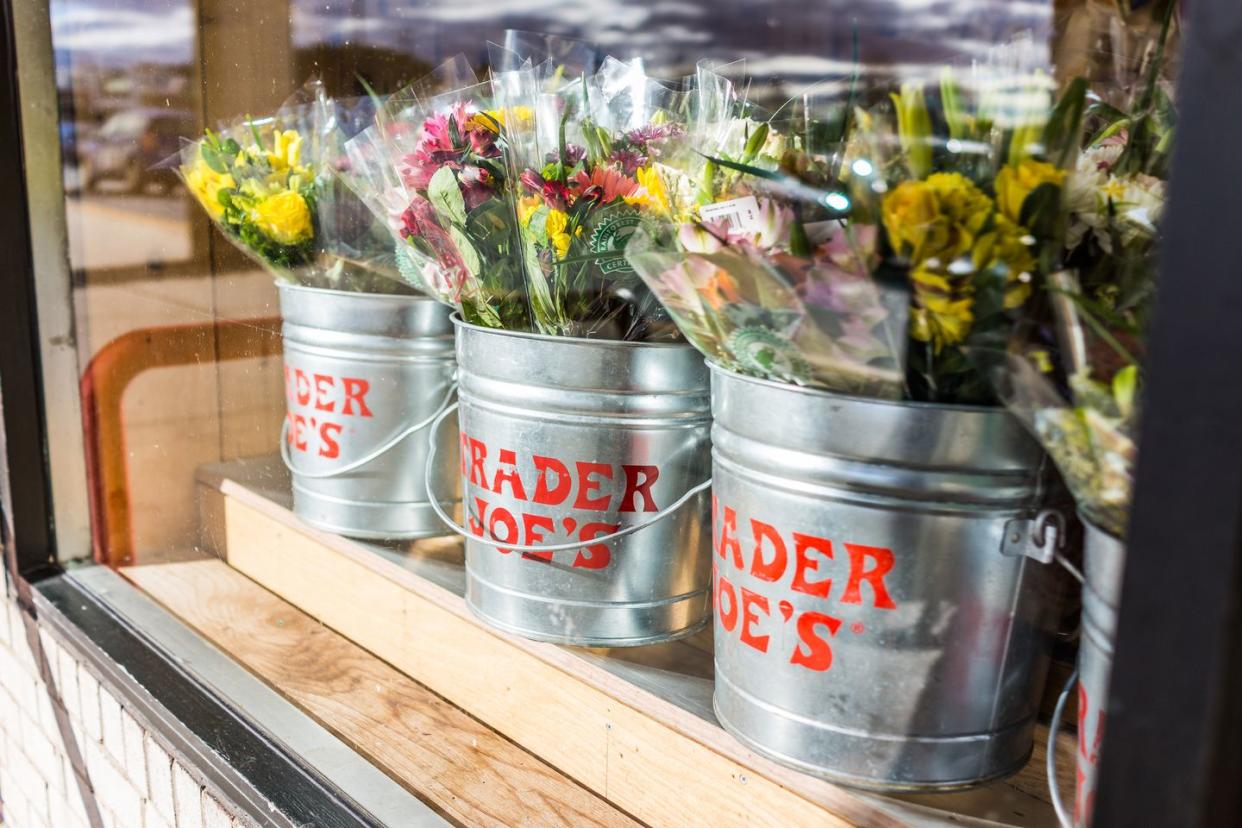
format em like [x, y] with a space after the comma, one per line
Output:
[1104, 558]
[364, 375]
[880, 619]
[584, 466]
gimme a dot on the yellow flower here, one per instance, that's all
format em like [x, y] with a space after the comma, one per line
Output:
[560, 243]
[493, 119]
[527, 208]
[964, 203]
[206, 185]
[1008, 246]
[556, 223]
[916, 226]
[1015, 182]
[286, 153]
[943, 312]
[284, 217]
[652, 193]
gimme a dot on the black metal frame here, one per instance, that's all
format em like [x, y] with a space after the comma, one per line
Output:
[28, 480]
[1172, 753]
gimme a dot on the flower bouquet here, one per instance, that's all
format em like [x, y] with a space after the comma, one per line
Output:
[862, 243]
[592, 166]
[269, 184]
[1074, 376]
[433, 169]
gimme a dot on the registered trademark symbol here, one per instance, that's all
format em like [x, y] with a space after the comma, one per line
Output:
[856, 627]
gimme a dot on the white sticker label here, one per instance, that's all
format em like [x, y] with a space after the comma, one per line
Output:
[741, 213]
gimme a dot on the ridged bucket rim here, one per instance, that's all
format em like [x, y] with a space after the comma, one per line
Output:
[459, 322]
[913, 405]
[348, 294]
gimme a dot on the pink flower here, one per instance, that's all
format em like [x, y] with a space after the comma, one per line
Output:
[477, 186]
[419, 222]
[554, 193]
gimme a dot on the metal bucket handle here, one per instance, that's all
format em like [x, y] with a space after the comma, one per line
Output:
[382, 449]
[560, 547]
[1054, 729]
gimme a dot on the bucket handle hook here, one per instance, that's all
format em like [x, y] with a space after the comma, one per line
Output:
[1054, 730]
[375, 453]
[560, 547]
[1041, 538]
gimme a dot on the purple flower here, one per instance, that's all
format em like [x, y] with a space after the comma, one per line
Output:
[650, 133]
[628, 160]
[573, 154]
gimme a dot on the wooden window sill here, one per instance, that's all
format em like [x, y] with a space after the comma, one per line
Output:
[406, 670]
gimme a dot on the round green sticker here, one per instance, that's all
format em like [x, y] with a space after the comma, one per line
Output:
[610, 236]
[766, 353]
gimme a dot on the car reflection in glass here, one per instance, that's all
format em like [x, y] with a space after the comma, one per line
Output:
[130, 145]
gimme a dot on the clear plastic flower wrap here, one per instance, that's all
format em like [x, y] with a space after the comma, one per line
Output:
[270, 184]
[592, 165]
[433, 169]
[1073, 374]
[1089, 428]
[756, 261]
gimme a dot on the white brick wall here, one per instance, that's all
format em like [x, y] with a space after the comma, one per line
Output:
[132, 778]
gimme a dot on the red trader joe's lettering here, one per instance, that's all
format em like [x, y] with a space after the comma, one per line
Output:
[328, 397]
[1088, 756]
[576, 486]
[853, 574]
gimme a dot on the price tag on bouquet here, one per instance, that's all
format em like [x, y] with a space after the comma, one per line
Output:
[741, 213]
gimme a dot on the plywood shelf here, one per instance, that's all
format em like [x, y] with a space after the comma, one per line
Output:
[634, 727]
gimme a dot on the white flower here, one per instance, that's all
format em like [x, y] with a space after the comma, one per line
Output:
[1100, 201]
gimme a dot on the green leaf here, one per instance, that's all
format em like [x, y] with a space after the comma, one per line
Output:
[1061, 134]
[755, 143]
[951, 101]
[1125, 388]
[758, 172]
[914, 128]
[212, 158]
[469, 256]
[445, 196]
[1042, 210]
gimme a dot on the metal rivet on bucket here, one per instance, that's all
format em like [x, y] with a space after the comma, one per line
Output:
[882, 614]
[365, 375]
[590, 460]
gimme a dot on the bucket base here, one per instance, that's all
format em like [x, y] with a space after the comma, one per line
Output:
[873, 762]
[585, 625]
[368, 521]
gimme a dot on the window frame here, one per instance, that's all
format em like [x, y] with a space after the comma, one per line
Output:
[1172, 755]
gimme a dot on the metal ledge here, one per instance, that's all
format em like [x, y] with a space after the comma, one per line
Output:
[266, 756]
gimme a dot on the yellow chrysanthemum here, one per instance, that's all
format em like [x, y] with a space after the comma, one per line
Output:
[494, 119]
[557, 221]
[652, 193]
[959, 199]
[1008, 247]
[286, 153]
[935, 219]
[944, 308]
[560, 243]
[284, 217]
[1015, 182]
[206, 185]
